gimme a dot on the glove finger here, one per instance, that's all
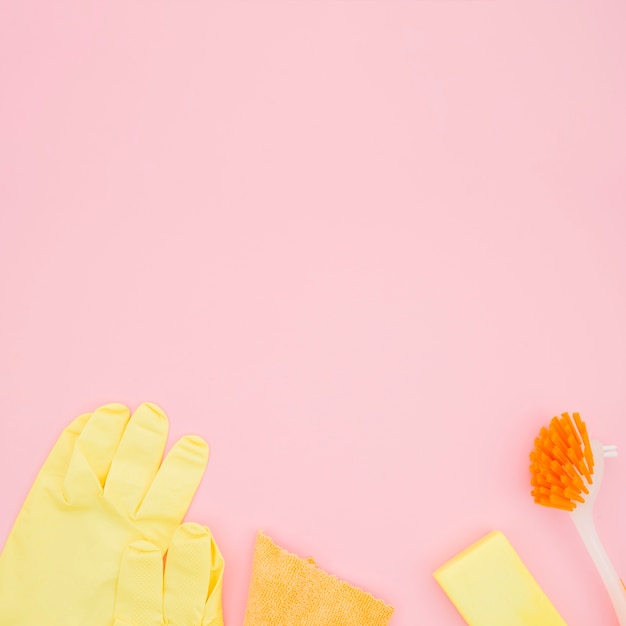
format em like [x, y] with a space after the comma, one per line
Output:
[172, 491]
[101, 436]
[213, 614]
[93, 451]
[58, 460]
[190, 575]
[80, 483]
[139, 594]
[137, 458]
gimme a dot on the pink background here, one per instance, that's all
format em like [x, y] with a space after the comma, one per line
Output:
[366, 249]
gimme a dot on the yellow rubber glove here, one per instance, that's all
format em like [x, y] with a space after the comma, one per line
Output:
[188, 594]
[102, 488]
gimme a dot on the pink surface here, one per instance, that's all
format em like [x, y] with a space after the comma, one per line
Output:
[365, 249]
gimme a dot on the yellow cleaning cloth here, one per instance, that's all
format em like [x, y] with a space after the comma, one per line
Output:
[490, 586]
[287, 590]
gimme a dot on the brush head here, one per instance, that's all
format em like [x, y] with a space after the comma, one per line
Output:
[561, 464]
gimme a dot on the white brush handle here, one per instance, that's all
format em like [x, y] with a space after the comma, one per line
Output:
[583, 520]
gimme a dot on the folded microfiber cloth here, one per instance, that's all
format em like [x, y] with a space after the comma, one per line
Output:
[286, 589]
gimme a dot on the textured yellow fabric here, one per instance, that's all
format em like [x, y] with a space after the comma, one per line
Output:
[490, 586]
[287, 590]
[188, 593]
[102, 488]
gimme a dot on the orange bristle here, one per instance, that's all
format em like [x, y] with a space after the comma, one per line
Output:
[561, 463]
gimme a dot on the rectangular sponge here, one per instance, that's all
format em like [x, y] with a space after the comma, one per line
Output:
[490, 586]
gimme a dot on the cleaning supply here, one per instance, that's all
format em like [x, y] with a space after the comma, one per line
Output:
[188, 593]
[286, 589]
[102, 488]
[566, 473]
[490, 586]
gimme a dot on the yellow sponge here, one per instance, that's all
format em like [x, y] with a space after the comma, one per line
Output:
[490, 586]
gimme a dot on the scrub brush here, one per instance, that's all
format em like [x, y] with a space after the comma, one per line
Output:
[566, 473]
